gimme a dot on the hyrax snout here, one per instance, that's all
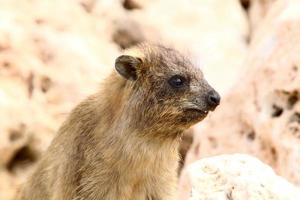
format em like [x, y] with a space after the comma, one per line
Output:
[213, 99]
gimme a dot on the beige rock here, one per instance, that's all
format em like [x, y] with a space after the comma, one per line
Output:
[261, 115]
[258, 9]
[7, 185]
[233, 177]
[48, 64]
[215, 32]
[53, 54]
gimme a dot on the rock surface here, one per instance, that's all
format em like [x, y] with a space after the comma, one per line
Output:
[53, 54]
[214, 31]
[261, 114]
[234, 177]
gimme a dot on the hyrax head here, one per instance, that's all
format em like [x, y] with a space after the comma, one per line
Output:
[166, 87]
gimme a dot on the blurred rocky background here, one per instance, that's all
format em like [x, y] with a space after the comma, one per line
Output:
[54, 53]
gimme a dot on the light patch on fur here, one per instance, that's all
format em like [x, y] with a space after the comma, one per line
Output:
[134, 52]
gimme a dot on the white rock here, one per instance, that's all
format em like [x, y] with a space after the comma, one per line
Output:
[235, 177]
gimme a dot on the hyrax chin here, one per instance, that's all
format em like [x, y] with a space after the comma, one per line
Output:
[122, 142]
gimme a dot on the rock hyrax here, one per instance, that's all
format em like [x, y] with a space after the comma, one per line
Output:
[122, 143]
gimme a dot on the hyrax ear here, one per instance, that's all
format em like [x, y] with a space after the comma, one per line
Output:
[126, 66]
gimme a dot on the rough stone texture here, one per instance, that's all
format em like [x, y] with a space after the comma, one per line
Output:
[219, 44]
[234, 177]
[54, 53]
[47, 65]
[261, 115]
[257, 10]
[215, 31]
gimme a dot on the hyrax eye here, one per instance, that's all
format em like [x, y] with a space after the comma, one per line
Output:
[177, 81]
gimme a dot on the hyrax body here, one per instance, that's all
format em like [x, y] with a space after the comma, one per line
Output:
[122, 143]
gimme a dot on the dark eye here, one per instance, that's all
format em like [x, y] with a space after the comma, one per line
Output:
[177, 81]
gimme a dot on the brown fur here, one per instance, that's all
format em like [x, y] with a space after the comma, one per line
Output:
[122, 142]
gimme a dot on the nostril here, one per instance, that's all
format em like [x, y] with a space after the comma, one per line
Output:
[213, 98]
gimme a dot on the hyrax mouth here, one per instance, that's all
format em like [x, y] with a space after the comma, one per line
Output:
[194, 111]
[197, 111]
[193, 115]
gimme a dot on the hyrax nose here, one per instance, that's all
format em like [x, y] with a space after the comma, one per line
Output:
[213, 99]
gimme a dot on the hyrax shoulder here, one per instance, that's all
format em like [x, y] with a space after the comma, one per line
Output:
[122, 142]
